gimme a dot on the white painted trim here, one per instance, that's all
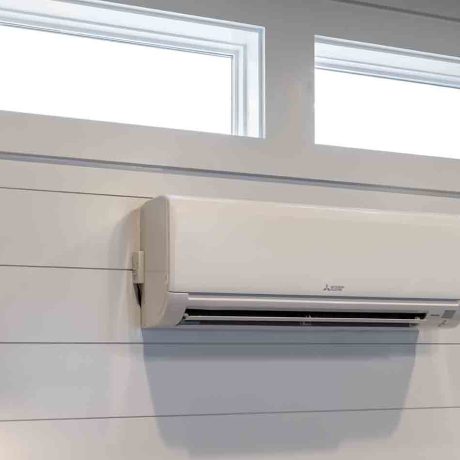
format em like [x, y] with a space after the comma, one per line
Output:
[109, 21]
[387, 62]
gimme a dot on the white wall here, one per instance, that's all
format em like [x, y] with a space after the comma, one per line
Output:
[79, 379]
[442, 8]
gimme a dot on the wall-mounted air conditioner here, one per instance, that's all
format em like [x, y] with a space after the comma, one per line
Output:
[228, 263]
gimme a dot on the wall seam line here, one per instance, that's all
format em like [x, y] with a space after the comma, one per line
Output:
[70, 192]
[240, 344]
[65, 267]
[219, 174]
[235, 414]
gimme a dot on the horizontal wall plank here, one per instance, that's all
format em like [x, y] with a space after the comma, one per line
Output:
[83, 305]
[412, 435]
[71, 381]
[56, 229]
[67, 305]
[144, 183]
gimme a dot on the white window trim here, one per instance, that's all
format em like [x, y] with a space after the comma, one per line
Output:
[387, 62]
[100, 19]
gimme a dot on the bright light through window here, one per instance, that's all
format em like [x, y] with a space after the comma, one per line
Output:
[405, 109]
[380, 114]
[103, 61]
[71, 76]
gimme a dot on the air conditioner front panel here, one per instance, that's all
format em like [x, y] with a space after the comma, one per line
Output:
[258, 248]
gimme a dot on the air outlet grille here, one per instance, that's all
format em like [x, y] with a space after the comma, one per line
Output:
[309, 318]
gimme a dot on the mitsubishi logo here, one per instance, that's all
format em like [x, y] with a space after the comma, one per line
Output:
[333, 287]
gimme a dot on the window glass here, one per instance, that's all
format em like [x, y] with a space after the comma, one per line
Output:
[65, 75]
[387, 100]
[119, 63]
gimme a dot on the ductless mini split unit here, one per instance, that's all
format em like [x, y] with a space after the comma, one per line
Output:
[247, 264]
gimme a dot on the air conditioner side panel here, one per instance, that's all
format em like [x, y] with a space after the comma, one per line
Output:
[155, 244]
[244, 247]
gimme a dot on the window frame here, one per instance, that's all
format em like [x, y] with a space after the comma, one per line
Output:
[244, 44]
[372, 60]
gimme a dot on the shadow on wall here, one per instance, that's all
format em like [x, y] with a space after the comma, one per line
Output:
[275, 433]
[299, 337]
[267, 380]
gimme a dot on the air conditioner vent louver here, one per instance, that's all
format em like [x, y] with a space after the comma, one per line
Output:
[308, 318]
[298, 324]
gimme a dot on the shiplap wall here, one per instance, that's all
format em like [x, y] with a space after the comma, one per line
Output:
[78, 375]
[79, 379]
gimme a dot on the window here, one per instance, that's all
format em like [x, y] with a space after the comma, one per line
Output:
[100, 61]
[378, 98]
